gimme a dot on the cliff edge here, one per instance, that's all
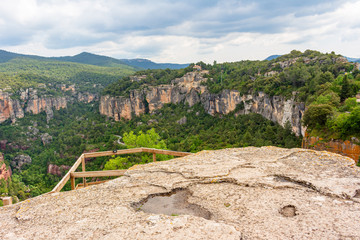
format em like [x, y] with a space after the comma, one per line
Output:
[247, 193]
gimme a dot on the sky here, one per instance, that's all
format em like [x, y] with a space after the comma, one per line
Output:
[182, 31]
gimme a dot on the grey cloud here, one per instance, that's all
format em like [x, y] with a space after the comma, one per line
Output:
[113, 19]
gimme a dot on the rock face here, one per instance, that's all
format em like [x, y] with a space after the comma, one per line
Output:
[20, 160]
[249, 193]
[31, 102]
[5, 173]
[188, 90]
[345, 148]
[9, 108]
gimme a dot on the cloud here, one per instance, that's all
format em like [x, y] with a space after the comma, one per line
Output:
[186, 30]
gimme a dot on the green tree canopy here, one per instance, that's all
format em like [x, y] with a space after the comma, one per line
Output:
[317, 115]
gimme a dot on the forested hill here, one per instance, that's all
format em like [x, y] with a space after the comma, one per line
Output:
[96, 60]
[23, 71]
[326, 83]
[93, 59]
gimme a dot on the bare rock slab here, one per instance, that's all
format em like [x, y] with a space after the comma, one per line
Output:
[245, 193]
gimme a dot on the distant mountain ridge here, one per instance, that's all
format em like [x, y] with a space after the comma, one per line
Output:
[94, 59]
[353, 59]
[147, 64]
[348, 58]
[272, 57]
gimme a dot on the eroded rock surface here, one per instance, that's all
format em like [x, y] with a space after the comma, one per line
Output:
[250, 193]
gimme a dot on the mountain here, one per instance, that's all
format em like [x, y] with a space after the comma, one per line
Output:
[353, 59]
[6, 56]
[92, 59]
[147, 64]
[272, 57]
[96, 60]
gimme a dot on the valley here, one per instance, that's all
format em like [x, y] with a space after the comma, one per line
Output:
[53, 110]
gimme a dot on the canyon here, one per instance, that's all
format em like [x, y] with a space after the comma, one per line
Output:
[190, 90]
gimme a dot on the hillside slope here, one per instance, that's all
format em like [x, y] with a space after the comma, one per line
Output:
[248, 193]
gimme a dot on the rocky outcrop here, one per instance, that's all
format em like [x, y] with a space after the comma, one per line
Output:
[20, 160]
[9, 108]
[182, 120]
[247, 193]
[346, 148]
[57, 170]
[87, 97]
[188, 90]
[5, 172]
[46, 138]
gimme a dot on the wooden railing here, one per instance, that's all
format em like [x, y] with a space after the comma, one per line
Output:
[72, 174]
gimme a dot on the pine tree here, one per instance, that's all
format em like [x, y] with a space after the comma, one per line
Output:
[345, 89]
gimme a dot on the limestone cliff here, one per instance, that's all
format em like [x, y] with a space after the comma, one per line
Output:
[9, 108]
[246, 193]
[31, 101]
[188, 90]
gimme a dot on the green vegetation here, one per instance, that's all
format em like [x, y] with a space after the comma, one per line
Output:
[21, 73]
[325, 82]
[80, 128]
[149, 139]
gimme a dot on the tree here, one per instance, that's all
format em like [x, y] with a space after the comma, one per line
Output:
[345, 89]
[317, 115]
[149, 139]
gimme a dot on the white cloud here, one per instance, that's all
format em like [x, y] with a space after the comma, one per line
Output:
[179, 31]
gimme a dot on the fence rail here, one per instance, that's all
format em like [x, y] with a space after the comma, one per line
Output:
[72, 174]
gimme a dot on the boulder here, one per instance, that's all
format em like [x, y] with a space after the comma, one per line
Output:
[246, 193]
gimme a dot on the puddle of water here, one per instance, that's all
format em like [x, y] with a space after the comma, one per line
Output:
[173, 204]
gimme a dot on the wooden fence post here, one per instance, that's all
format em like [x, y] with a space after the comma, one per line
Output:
[72, 179]
[83, 168]
[154, 157]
